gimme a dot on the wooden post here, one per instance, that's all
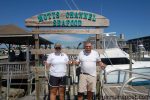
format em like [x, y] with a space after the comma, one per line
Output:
[137, 56]
[9, 52]
[100, 72]
[0, 85]
[37, 85]
[97, 41]
[98, 37]
[28, 69]
[143, 55]
[140, 55]
[98, 84]
[69, 85]
[8, 83]
[36, 37]
[130, 54]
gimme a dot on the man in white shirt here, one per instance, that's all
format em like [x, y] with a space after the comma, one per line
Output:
[88, 59]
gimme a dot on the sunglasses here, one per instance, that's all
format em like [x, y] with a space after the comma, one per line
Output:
[88, 46]
[57, 48]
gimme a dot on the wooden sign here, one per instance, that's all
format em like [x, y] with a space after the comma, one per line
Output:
[67, 18]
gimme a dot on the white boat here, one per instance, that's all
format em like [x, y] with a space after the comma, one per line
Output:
[117, 59]
[142, 51]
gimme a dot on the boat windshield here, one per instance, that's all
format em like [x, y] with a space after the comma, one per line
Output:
[109, 41]
[115, 61]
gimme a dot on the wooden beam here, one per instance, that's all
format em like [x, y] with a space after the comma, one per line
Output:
[36, 37]
[67, 51]
[68, 31]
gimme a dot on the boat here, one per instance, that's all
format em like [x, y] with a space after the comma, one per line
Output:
[117, 59]
[142, 51]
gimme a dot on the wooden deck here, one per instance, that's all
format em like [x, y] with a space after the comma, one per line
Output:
[123, 90]
[111, 92]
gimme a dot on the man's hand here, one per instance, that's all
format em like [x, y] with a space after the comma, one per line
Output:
[70, 62]
[76, 62]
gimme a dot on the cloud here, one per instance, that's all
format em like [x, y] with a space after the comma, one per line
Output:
[65, 38]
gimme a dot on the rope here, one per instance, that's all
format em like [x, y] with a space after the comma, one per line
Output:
[101, 7]
[68, 4]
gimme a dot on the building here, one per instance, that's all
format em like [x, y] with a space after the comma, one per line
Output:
[145, 41]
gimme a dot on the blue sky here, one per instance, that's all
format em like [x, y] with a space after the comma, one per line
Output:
[131, 17]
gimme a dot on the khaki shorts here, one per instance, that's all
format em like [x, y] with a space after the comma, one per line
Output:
[87, 83]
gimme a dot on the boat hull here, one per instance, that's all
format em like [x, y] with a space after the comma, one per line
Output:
[119, 77]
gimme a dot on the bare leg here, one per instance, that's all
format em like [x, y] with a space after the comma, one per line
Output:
[62, 93]
[53, 93]
[80, 96]
[90, 95]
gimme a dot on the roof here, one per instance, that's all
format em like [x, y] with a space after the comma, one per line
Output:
[12, 34]
[22, 40]
[140, 38]
[12, 30]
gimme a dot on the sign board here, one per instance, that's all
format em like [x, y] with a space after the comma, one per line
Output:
[67, 18]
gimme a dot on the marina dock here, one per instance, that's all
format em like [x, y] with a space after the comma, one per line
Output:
[37, 87]
[29, 74]
[105, 91]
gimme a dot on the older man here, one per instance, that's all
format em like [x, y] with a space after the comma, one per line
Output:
[88, 59]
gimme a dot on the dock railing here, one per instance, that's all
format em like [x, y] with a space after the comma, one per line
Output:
[141, 56]
[17, 69]
[127, 81]
[13, 70]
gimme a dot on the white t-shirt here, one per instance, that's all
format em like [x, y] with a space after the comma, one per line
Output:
[58, 64]
[88, 62]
